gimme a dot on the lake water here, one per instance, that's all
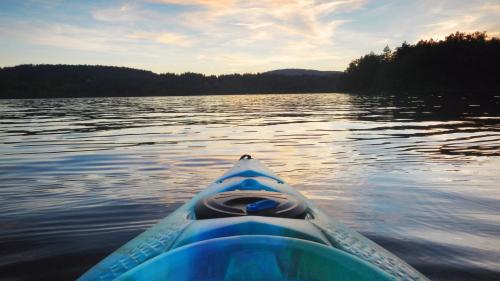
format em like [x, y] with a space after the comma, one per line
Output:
[420, 176]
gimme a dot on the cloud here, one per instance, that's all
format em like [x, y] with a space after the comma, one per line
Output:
[232, 23]
[130, 14]
[249, 24]
[211, 3]
[109, 39]
[247, 31]
[166, 38]
[449, 17]
[66, 36]
[239, 36]
[123, 13]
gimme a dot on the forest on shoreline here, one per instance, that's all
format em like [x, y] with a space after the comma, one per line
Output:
[461, 63]
[41, 81]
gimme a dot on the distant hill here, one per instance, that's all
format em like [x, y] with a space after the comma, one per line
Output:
[54, 81]
[301, 72]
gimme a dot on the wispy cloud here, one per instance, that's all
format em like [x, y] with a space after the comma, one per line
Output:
[65, 36]
[167, 38]
[210, 3]
[307, 18]
[123, 13]
[449, 16]
[235, 35]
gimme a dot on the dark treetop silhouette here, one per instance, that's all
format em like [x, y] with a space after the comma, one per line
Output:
[40, 81]
[460, 63]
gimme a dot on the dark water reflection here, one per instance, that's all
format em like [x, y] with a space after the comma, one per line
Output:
[80, 177]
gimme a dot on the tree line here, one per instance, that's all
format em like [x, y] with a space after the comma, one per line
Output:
[460, 63]
[41, 81]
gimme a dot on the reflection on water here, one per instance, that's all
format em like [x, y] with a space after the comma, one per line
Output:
[79, 177]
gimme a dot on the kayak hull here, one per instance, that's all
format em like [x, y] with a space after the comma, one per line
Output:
[256, 258]
[181, 230]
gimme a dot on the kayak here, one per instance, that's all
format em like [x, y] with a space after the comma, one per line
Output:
[250, 225]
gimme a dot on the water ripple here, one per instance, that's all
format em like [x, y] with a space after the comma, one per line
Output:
[419, 175]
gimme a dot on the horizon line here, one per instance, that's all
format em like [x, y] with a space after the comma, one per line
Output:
[159, 73]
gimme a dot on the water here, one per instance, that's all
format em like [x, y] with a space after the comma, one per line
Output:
[80, 177]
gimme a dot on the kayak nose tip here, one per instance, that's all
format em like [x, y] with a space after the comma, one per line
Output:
[245, 156]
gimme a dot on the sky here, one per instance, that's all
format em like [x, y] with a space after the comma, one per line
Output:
[226, 36]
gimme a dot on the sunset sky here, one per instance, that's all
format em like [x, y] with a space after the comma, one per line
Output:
[226, 36]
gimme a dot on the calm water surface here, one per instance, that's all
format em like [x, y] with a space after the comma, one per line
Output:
[80, 177]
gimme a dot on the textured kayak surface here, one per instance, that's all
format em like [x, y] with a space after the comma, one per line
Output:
[263, 258]
[248, 246]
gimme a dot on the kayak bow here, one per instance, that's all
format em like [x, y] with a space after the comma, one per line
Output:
[250, 225]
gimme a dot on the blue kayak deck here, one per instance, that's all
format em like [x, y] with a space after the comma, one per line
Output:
[182, 230]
